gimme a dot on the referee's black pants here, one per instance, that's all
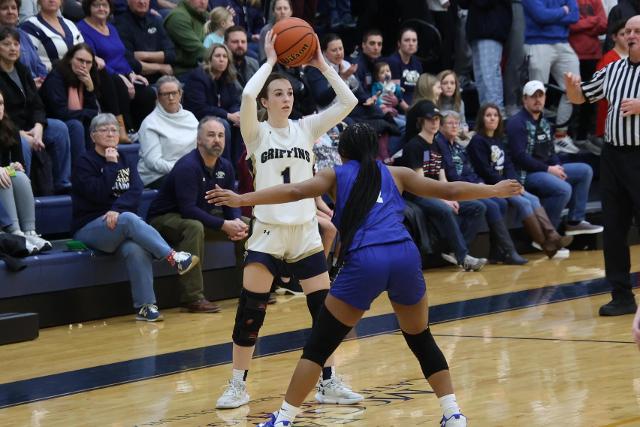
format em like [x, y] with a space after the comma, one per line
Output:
[620, 188]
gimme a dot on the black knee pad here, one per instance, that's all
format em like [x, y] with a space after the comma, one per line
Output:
[252, 307]
[327, 334]
[315, 301]
[427, 352]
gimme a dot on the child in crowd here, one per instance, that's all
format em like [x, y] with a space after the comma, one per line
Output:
[451, 99]
[383, 88]
[219, 20]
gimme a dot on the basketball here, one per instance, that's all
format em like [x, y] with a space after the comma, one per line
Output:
[296, 42]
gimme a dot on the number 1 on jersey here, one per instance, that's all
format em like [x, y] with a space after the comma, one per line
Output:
[286, 177]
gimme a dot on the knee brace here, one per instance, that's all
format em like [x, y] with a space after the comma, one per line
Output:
[252, 307]
[326, 335]
[315, 301]
[427, 352]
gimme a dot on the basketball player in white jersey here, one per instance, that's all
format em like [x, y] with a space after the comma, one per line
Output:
[281, 152]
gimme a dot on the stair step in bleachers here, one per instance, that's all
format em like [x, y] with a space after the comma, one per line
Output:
[18, 327]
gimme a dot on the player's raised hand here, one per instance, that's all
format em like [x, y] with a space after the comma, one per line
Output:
[318, 60]
[269, 49]
[221, 197]
[508, 188]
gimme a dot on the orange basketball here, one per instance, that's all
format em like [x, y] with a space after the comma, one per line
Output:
[296, 42]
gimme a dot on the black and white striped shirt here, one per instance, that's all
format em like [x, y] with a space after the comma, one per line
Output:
[616, 82]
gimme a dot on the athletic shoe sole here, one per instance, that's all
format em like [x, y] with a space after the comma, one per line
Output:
[576, 232]
[340, 401]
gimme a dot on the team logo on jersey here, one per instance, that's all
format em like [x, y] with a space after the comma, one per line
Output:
[220, 175]
[279, 153]
[380, 198]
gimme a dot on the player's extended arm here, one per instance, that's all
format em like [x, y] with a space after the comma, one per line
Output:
[408, 180]
[320, 184]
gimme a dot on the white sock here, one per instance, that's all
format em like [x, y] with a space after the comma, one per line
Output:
[287, 412]
[239, 375]
[449, 405]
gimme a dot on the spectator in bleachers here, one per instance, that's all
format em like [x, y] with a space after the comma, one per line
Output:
[236, 40]
[622, 11]
[516, 62]
[28, 53]
[458, 167]
[220, 19]
[50, 33]
[182, 215]
[54, 36]
[450, 99]
[106, 196]
[167, 134]
[28, 8]
[487, 29]
[584, 39]
[69, 94]
[338, 12]
[185, 26]
[25, 107]
[16, 196]
[280, 9]
[541, 171]
[143, 34]
[103, 38]
[213, 90]
[405, 66]
[427, 89]
[456, 222]
[445, 18]
[493, 164]
[366, 110]
[387, 93]
[547, 45]
[370, 54]
[247, 14]
[620, 50]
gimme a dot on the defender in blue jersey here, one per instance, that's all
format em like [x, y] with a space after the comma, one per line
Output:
[377, 255]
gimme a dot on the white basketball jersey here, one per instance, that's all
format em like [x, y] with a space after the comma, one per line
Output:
[282, 156]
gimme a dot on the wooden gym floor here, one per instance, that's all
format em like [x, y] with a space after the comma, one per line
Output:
[525, 346]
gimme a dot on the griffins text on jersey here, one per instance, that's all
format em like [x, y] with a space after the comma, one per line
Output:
[280, 153]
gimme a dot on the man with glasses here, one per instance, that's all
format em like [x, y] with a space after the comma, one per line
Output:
[182, 215]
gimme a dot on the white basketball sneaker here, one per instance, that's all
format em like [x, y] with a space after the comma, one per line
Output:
[455, 420]
[335, 391]
[234, 396]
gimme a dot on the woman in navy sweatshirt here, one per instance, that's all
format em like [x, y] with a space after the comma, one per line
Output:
[105, 198]
[490, 160]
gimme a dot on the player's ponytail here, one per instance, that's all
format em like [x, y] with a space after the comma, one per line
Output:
[359, 142]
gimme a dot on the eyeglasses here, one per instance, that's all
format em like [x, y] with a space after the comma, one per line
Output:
[83, 61]
[173, 93]
[107, 130]
[452, 124]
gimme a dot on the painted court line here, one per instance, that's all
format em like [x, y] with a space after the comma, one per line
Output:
[78, 381]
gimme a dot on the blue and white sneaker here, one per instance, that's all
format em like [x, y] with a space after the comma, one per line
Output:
[271, 422]
[184, 262]
[149, 313]
[455, 420]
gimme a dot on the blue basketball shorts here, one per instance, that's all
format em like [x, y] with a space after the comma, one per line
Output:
[369, 271]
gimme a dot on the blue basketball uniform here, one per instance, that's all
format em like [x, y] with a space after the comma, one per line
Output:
[382, 256]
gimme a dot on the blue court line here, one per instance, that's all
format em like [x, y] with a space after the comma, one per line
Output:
[97, 377]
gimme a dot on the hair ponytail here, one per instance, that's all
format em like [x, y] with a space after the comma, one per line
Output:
[359, 142]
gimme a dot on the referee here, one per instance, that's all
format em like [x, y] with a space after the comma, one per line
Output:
[619, 84]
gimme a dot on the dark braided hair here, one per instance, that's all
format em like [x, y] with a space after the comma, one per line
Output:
[359, 142]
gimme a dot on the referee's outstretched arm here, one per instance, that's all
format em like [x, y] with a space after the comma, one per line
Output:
[574, 90]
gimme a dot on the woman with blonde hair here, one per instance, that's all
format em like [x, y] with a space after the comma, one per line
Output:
[219, 20]
[427, 89]
[213, 90]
